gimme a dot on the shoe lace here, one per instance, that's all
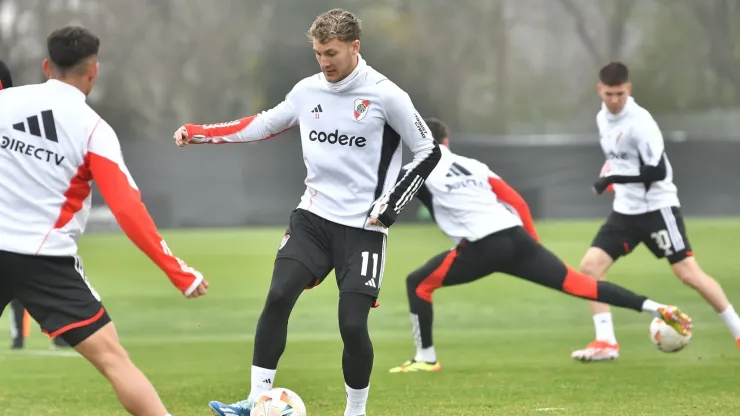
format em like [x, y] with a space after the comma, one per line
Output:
[243, 404]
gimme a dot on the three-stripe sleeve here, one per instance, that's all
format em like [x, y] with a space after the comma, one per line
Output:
[406, 121]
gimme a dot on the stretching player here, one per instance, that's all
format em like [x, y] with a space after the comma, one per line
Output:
[352, 195]
[473, 207]
[52, 146]
[646, 208]
[18, 316]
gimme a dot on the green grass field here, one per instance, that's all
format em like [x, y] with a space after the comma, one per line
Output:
[504, 344]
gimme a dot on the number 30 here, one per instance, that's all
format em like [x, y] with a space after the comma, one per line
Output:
[663, 241]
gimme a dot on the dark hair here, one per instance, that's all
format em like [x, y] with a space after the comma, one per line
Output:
[6, 81]
[614, 74]
[71, 45]
[439, 129]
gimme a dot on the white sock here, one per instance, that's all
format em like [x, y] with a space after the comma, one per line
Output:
[652, 307]
[730, 318]
[604, 327]
[262, 379]
[356, 401]
[427, 355]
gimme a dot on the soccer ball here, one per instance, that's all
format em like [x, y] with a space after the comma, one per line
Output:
[666, 338]
[279, 402]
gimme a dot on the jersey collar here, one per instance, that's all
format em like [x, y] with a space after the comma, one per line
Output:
[628, 106]
[352, 79]
[65, 88]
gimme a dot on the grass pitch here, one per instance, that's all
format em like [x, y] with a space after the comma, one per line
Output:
[504, 344]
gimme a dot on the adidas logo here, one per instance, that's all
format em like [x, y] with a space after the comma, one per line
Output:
[317, 109]
[371, 283]
[267, 381]
[34, 128]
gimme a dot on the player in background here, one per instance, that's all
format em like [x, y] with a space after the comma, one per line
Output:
[352, 120]
[6, 80]
[494, 232]
[18, 316]
[646, 208]
[52, 146]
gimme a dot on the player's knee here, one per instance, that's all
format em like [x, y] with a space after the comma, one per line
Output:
[689, 272]
[352, 327]
[280, 298]
[353, 316]
[593, 268]
[289, 279]
[104, 350]
[354, 333]
[110, 361]
[419, 286]
[579, 284]
[414, 280]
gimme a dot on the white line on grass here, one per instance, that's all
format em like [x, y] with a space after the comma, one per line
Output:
[45, 353]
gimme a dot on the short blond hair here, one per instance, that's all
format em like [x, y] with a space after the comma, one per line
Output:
[335, 24]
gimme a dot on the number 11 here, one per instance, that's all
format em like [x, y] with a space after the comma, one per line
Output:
[365, 261]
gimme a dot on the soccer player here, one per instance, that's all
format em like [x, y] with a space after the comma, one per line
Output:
[494, 232]
[18, 315]
[6, 80]
[52, 145]
[646, 208]
[352, 120]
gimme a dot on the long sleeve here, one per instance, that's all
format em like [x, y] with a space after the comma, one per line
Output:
[424, 195]
[605, 172]
[120, 192]
[406, 121]
[649, 142]
[264, 125]
[650, 145]
[505, 193]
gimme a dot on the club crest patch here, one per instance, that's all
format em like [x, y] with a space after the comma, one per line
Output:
[361, 107]
[284, 241]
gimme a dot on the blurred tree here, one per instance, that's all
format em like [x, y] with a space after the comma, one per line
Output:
[720, 22]
[492, 66]
[691, 58]
[602, 26]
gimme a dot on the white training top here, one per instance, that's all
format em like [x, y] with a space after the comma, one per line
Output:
[351, 134]
[52, 145]
[468, 201]
[630, 140]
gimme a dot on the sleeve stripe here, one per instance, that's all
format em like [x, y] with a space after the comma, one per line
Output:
[409, 193]
[423, 164]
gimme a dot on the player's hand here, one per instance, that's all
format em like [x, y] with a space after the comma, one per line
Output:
[382, 217]
[181, 137]
[189, 134]
[374, 216]
[600, 186]
[376, 222]
[201, 290]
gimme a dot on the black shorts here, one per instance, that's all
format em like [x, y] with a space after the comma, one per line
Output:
[512, 251]
[662, 231]
[55, 292]
[356, 255]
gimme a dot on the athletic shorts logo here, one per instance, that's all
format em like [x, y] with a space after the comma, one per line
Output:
[284, 241]
[361, 107]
